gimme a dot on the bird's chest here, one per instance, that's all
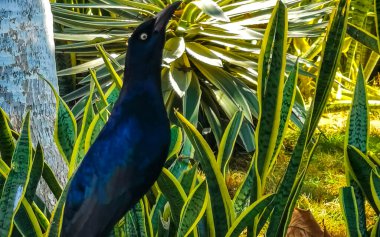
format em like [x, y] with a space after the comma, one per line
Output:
[142, 132]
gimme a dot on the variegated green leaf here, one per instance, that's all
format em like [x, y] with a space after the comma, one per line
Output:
[227, 143]
[173, 192]
[376, 229]
[202, 54]
[375, 187]
[193, 210]
[51, 181]
[118, 81]
[330, 58]
[248, 215]
[7, 144]
[288, 184]
[358, 123]
[17, 181]
[286, 110]
[221, 203]
[56, 219]
[225, 82]
[65, 127]
[35, 174]
[212, 9]
[350, 210]
[188, 179]
[271, 69]
[79, 148]
[364, 37]
[175, 141]
[190, 104]
[174, 49]
[360, 169]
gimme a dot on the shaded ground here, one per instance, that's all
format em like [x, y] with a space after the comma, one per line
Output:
[320, 192]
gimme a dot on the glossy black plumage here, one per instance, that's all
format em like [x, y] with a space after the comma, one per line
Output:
[129, 152]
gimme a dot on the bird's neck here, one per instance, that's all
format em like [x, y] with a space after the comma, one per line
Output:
[138, 80]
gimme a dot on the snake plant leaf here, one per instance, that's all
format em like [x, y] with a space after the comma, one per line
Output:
[7, 144]
[103, 100]
[137, 221]
[18, 178]
[220, 201]
[246, 217]
[287, 186]
[360, 169]
[242, 195]
[330, 57]
[51, 181]
[174, 49]
[188, 179]
[174, 193]
[375, 187]
[41, 216]
[212, 9]
[155, 213]
[78, 150]
[358, 123]
[175, 141]
[112, 94]
[35, 174]
[350, 210]
[26, 221]
[54, 229]
[227, 143]
[294, 193]
[271, 70]
[94, 129]
[147, 221]
[193, 210]
[364, 37]
[376, 229]
[288, 96]
[65, 126]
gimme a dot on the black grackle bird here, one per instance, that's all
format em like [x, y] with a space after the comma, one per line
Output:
[128, 155]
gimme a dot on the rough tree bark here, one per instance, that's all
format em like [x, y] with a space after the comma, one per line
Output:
[26, 49]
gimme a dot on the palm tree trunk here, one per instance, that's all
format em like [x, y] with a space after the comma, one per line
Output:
[26, 49]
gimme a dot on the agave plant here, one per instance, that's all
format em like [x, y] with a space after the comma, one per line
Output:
[210, 60]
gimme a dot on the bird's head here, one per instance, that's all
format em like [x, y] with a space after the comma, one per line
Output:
[146, 44]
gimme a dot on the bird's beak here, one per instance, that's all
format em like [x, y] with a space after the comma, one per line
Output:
[163, 17]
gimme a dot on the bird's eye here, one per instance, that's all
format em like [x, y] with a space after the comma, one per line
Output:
[144, 36]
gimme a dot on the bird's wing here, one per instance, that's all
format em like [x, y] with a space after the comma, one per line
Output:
[101, 178]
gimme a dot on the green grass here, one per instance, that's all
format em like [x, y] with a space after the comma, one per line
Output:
[326, 174]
